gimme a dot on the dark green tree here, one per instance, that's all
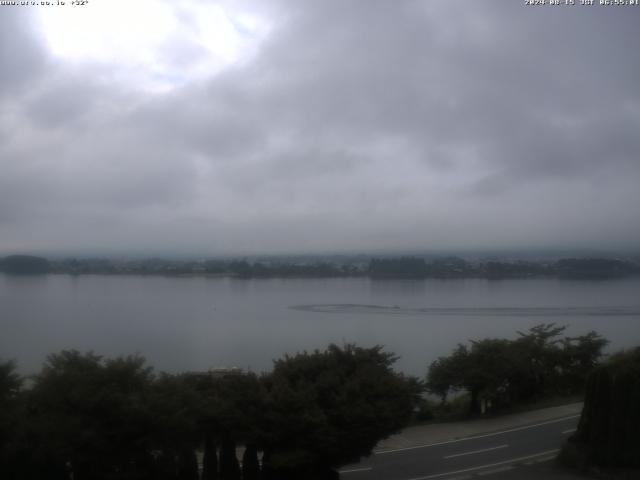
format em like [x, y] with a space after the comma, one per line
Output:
[483, 370]
[329, 408]
[90, 415]
[250, 464]
[10, 384]
[210, 458]
[188, 464]
[487, 369]
[231, 407]
[538, 359]
[445, 373]
[607, 434]
[229, 466]
[176, 408]
[502, 372]
[580, 355]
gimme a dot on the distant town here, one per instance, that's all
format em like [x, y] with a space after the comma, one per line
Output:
[401, 267]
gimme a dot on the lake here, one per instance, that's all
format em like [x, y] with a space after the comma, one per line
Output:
[196, 323]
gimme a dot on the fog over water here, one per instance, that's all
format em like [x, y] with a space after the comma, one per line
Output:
[197, 323]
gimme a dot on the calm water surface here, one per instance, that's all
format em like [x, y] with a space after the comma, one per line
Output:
[198, 323]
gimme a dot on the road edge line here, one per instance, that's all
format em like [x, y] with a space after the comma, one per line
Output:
[484, 435]
[480, 467]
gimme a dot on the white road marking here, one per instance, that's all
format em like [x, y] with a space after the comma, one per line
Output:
[476, 451]
[353, 470]
[497, 470]
[517, 429]
[571, 430]
[545, 459]
[480, 467]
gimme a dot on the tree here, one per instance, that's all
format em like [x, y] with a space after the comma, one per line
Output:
[229, 466]
[230, 410]
[329, 408]
[210, 458]
[502, 372]
[250, 464]
[10, 384]
[440, 378]
[92, 415]
[483, 370]
[489, 369]
[580, 356]
[607, 434]
[445, 373]
[177, 411]
[537, 361]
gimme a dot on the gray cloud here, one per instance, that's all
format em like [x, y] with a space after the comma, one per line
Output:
[21, 55]
[356, 125]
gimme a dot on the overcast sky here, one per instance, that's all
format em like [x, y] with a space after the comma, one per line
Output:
[266, 126]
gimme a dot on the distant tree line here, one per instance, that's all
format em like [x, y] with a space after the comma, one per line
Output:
[498, 373]
[454, 267]
[85, 417]
[24, 264]
[399, 267]
[243, 268]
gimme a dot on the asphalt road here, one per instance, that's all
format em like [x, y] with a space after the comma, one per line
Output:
[461, 458]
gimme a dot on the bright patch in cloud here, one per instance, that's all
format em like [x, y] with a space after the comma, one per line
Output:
[157, 44]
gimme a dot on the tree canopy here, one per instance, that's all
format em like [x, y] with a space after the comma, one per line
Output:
[331, 407]
[502, 372]
[90, 417]
[607, 434]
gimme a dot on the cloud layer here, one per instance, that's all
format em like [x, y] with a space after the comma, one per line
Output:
[350, 126]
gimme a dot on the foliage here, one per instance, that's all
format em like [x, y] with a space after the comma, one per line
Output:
[445, 373]
[500, 372]
[329, 408]
[89, 417]
[10, 383]
[607, 433]
[91, 414]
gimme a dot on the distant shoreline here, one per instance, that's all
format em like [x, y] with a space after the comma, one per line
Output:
[401, 268]
[350, 308]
